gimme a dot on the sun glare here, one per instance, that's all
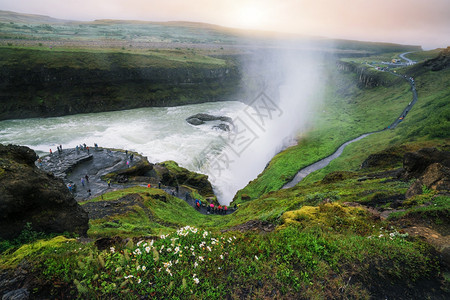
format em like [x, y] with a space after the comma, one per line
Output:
[251, 16]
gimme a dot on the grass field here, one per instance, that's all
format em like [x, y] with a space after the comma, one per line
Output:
[306, 242]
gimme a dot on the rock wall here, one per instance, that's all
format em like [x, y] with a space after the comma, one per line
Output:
[366, 77]
[44, 90]
[28, 194]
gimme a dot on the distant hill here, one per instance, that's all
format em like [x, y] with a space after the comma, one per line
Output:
[37, 27]
[10, 16]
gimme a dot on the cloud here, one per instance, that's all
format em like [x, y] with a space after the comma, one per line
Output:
[380, 20]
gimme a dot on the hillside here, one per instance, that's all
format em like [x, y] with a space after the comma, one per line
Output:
[373, 224]
[71, 67]
[346, 231]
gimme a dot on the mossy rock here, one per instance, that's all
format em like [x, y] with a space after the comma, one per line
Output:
[329, 215]
[172, 174]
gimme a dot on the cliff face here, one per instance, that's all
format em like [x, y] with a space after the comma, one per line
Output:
[366, 78]
[30, 195]
[46, 88]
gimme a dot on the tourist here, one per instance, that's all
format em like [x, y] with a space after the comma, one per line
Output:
[87, 149]
[109, 182]
[77, 149]
[89, 192]
[70, 188]
[149, 185]
[225, 209]
[51, 152]
[82, 181]
[128, 163]
[159, 185]
[131, 157]
[87, 178]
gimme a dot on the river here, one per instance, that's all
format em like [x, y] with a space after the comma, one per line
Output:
[158, 133]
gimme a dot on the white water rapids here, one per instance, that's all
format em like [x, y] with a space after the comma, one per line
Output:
[158, 133]
[230, 159]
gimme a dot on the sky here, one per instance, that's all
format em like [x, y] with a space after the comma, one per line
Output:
[413, 22]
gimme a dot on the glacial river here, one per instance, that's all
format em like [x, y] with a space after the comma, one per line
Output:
[158, 133]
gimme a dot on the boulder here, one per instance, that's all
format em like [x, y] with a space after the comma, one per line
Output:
[435, 177]
[195, 121]
[415, 163]
[199, 119]
[222, 126]
[30, 195]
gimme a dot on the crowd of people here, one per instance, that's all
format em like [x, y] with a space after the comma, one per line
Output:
[209, 206]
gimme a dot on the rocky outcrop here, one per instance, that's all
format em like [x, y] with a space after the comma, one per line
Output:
[431, 167]
[382, 159]
[442, 61]
[56, 84]
[173, 175]
[366, 78]
[29, 195]
[199, 119]
[415, 163]
[435, 177]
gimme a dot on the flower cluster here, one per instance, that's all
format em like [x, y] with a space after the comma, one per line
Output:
[156, 264]
[390, 233]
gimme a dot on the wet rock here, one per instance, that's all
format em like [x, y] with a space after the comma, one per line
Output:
[30, 195]
[122, 178]
[199, 119]
[20, 294]
[195, 121]
[222, 126]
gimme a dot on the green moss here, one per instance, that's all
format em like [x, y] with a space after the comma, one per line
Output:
[30, 251]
